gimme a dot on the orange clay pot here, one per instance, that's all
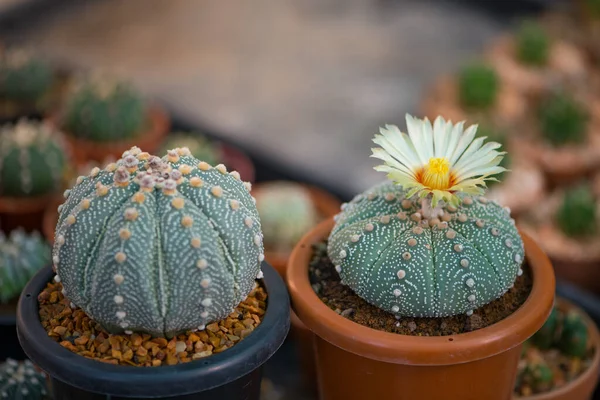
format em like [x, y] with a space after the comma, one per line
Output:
[357, 362]
[583, 386]
[23, 212]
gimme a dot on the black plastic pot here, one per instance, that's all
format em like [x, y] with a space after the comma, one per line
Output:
[231, 375]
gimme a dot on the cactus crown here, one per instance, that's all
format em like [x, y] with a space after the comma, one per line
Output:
[577, 215]
[158, 245]
[22, 76]
[286, 212]
[533, 44]
[32, 159]
[478, 86]
[104, 110]
[20, 380]
[21, 256]
[563, 120]
[200, 146]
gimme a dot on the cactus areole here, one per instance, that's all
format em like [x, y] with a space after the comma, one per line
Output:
[427, 244]
[158, 245]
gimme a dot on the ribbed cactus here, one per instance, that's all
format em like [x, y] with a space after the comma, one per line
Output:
[104, 110]
[158, 245]
[547, 335]
[395, 259]
[286, 212]
[577, 215]
[23, 77]
[538, 375]
[533, 44]
[21, 256]
[201, 147]
[563, 120]
[20, 380]
[574, 335]
[478, 86]
[32, 159]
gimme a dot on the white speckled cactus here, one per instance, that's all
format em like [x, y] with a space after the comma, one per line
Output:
[20, 380]
[158, 245]
[401, 252]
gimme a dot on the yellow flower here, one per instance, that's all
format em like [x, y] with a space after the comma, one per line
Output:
[440, 160]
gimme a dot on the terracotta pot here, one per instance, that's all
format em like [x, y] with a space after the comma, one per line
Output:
[85, 150]
[582, 387]
[236, 160]
[356, 362]
[23, 212]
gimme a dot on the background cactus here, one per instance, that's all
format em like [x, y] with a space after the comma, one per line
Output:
[104, 110]
[478, 86]
[577, 214]
[562, 120]
[23, 78]
[201, 147]
[533, 44]
[468, 257]
[158, 245]
[547, 335]
[538, 374]
[32, 159]
[574, 336]
[286, 212]
[20, 380]
[21, 256]
[593, 6]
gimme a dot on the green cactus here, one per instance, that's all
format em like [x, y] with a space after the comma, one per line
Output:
[20, 380]
[533, 44]
[539, 376]
[32, 159]
[576, 216]
[102, 110]
[22, 255]
[158, 245]
[200, 146]
[448, 266]
[593, 6]
[286, 212]
[547, 335]
[23, 78]
[574, 336]
[478, 86]
[562, 120]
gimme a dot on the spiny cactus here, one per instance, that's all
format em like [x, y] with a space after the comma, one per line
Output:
[393, 258]
[562, 120]
[286, 212]
[32, 159]
[533, 44]
[201, 147]
[158, 245]
[577, 214]
[104, 110]
[478, 86]
[23, 77]
[547, 335]
[20, 380]
[22, 255]
[574, 336]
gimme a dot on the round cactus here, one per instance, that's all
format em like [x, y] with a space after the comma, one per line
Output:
[158, 245]
[577, 214]
[478, 86]
[201, 147]
[395, 259]
[539, 376]
[23, 77]
[286, 212]
[32, 159]
[533, 44]
[20, 380]
[104, 110]
[574, 336]
[21, 256]
[547, 335]
[562, 120]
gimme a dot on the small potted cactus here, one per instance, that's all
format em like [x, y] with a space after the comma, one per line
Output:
[156, 264]
[22, 380]
[212, 152]
[562, 360]
[421, 284]
[33, 162]
[103, 116]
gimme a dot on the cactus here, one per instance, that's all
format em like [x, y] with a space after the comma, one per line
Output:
[393, 258]
[158, 245]
[576, 216]
[201, 147]
[286, 212]
[547, 335]
[20, 380]
[539, 376]
[593, 7]
[478, 86]
[23, 78]
[574, 336]
[22, 255]
[32, 159]
[104, 110]
[533, 44]
[562, 120]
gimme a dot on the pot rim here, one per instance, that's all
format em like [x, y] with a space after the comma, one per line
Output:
[153, 382]
[414, 350]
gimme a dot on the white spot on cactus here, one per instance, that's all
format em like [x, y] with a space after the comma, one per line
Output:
[120, 314]
[216, 191]
[121, 175]
[406, 204]
[412, 242]
[66, 193]
[402, 216]
[172, 156]
[187, 221]
[260, 275]
[56, 278]
[451, 209]
[59, 208]
[196, 182]
[130, 214]
[235, 174]
[463, 218]
[257, 240]
[205, 282]
[118, 299]
[397, 292]
[128, 332]
[201, 264]
[450, 234]
[395, 308]
[55, 259]
[124, 233]
[182, 170]
[201, 327]
[101, 190]
[389, 196]
[248, 186]
[464, 263]
[195, 242]
[79, 180]
[85, 204]
[401, 274]
[480, 223]
[458, 247]
[508, 243]
[494, 231]
[471, 298]
[354, 238]
[343, 254]
[417, 230]
[221, 168]
[369, 227]
[170, 184]
[469, 313]
[124, 324]
[406, 255]
[467, 201]
[70, 220]
[518, 258]
[507, 210]
[416, 217]
[234, 204]
[470, 282]
[520, 272]
[248, 221]
[203, 166]
[118, 278]
[120, 257]
[204, 314]
[111, 167]
[338, 269]
[261, 257]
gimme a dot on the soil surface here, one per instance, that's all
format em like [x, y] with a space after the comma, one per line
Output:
[75, 331]
[326, 283]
